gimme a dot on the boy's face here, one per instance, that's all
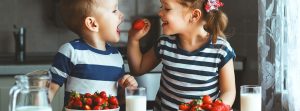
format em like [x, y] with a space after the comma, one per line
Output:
[109, 18]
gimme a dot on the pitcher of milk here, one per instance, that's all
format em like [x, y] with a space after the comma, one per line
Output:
[30, 92]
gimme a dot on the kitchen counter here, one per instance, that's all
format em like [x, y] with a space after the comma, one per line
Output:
[15, 69]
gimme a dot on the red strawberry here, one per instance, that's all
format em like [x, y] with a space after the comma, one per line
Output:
[88, 101]
[88, 95]
[77, 103]
[206, 106]
[103, 94]
[184, 107]
[206, 99]
[99, 101]
[113, 100]
[227, 108]
[106, 108]
[97, 108]
[218, 102]
[138, 24]
[87, 107]
[218, 108]
[113, 106]
[70, 103]
[105, 104]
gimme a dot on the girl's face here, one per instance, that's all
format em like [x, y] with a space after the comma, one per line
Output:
[174, 17]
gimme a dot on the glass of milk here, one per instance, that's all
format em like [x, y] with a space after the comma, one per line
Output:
[136, 99]
[251, 98]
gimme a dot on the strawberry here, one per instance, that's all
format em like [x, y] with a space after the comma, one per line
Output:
[86, 107]
[97, 108]
[99, 101]
[88, 101]
[105, 104]
[138, 24]
[70, 103]
[184, 107]
[88, 95]
[206, 106]
[206, 99]
[218, 102]
[103, 94]
[113, 100]
[77, 103]
[218, 108]
[106, 108]
[113, 106]
[227, 108]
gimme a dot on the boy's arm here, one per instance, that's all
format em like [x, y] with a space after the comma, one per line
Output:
[53, 90]
[125, 81]
[121, 95]
[60, 68]
[140, 63]
[227, 83]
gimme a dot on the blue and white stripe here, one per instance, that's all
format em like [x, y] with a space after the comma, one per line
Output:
[85, 69]
[189, 75]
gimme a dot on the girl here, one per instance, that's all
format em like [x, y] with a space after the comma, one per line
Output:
[197, 60]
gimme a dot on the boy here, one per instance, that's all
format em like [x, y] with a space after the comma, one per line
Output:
[89, 64]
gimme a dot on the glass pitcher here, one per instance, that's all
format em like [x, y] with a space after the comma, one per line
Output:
[30, 93]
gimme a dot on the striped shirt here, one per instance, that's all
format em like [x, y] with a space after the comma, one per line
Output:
[189, 75]
[85, 69]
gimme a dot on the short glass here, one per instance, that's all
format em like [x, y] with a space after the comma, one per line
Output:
[251, 98]
[136, 99]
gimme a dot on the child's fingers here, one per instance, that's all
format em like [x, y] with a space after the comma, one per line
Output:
[123, 80]
[130, 82]
[147, 25]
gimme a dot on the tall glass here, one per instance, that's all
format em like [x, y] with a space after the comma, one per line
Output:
[136, 99]
[251, 98]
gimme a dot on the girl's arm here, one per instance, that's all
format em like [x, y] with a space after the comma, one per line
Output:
[227, 83]
[140, 63]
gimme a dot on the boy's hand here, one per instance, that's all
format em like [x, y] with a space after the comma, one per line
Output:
[128, 81]
[136, 35]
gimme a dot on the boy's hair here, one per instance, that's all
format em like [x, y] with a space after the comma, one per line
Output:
[216, 19]
[74, 12]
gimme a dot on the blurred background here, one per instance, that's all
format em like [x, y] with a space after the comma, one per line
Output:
[45, 33]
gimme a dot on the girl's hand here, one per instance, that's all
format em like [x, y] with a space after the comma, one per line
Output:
[136, 35]
[128, 81]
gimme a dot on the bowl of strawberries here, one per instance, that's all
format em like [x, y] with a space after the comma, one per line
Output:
[204, 104]
[98, 101]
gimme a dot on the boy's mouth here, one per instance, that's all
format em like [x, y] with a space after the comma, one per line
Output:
[164, 23]
[118, 29]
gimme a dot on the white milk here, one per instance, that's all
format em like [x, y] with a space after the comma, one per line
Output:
[251, 102]
[34, 108]
[136, 103]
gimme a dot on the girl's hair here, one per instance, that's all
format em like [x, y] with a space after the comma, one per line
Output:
[216, 20]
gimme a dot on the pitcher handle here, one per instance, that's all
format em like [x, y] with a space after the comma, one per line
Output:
[14, 91]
